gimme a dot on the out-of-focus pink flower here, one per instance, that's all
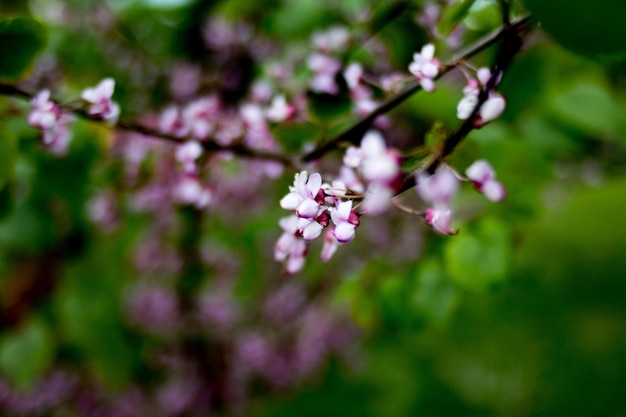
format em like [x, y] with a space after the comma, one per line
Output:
[171, 122]
[45, 113]
[187, 154]
[353, 74]
[425, 67]
[280, 110]
[334, 39]
[438, 188]
[99, 98]
[290, 248]
[440, 219]
[47, 116]
[190, 191]
[200, 116]
[490, 110]
[483, 177]
[330, 245]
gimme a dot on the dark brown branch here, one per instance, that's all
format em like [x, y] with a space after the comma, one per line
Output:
[355, 132]
[209, 146]
[510, 43]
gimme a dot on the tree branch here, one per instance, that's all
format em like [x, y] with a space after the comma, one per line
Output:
[355, 132]
[208, 145]
[511, 38]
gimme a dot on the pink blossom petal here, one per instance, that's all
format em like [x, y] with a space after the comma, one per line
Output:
[312, 231]
[344, 232]
[330, 245]
[314, 184]
[480, 171]
[377, 199]
[492, 108]
[373, 143]
[291, 201]
[493, 191]
[308, 209]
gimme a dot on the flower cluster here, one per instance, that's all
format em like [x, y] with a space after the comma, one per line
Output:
[47, 116]
[323, 62]
[189, 190]
[490, 110]
[425, 67]
[439, 189]
[371, 172]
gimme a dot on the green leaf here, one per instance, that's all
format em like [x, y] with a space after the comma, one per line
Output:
[478, 261]
[293, 136]
[22, 39]
[453, 15]
[434, 296]
[592, 28]
[26, 354]
[485, 15]
[8, 153]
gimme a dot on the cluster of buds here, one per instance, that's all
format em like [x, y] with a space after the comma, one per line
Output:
[439, 189]
[371, 172]
[490, 110]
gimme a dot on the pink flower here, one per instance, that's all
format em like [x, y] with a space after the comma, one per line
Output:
[353, 74]
[379, 163]
[99, 98]
[199, 116]
[330, 245]
[45, 112]
[490, 110]
[190, 192]
[483, 177]
[334, 39]
[172, 123]
[306, 196]
[280, 110]
[466, 106]
[346, 221]
[47, 116]
[324, 68]
[290, 248]
[438, 188]
[425, 67]
[377, 198]
[187, 154]
[440, 220]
